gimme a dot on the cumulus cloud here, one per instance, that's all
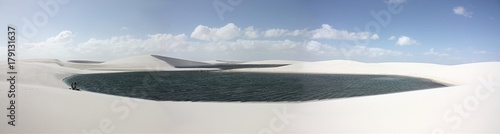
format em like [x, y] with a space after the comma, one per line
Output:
[226, 41]
[297, 32]
[62, 47]
[54, 47]
[460, 10]
[123, 46]
[275, 32]
[374, 37]
[63, 37]
[231, 31]
[432, 52]
[327, 32]
[405, 41]
[392, 38]
[321, 48]
[226, 32]
[348, 52]
[251, 33]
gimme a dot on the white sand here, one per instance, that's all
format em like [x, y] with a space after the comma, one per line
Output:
[46, 105]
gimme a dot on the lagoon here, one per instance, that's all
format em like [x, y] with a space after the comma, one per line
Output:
[222, 86]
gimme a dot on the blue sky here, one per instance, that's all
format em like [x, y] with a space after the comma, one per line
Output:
[443, 31]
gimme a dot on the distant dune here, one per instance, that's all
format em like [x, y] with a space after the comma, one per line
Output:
[180, 62]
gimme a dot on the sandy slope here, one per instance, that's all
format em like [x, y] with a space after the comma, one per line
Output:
[46, 105]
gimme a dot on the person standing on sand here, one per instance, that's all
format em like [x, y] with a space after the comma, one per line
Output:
[72, 87]
[75, 87]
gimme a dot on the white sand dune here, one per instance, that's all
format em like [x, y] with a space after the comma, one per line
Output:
[455, 75]
[137, 63]
[45, 105]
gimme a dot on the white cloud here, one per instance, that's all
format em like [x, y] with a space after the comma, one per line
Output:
[226, 41]
[392, 38]
[374, 37]
[432, 52]
[395, 1]
[327, 32]
[370, 52]
[348, 52]
[62, 47]
[226, 32]
[251, 33]
[298, 32]
[291, 49]
[313, 46]
[275, 32]
[54, 47]
[461, 11]
[319, 48]
[404, 41]
[122, 46]
[231, 31]
[63, 37]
